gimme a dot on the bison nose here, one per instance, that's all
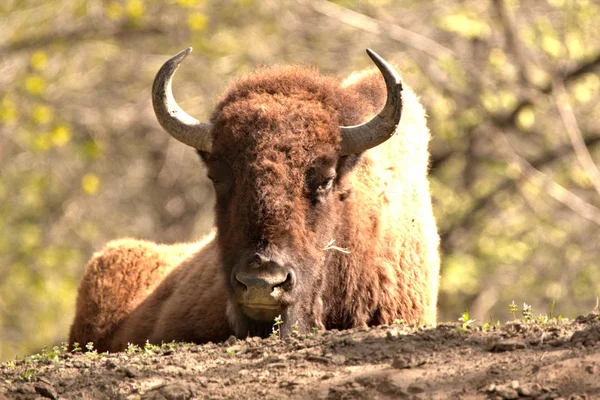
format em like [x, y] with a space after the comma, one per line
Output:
[263, 280]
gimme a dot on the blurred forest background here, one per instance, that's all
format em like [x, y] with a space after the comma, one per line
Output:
[512, 90]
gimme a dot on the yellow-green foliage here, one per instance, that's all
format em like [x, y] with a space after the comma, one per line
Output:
[83, 161]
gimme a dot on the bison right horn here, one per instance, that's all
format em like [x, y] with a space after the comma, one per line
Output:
[358, 138]
[171, 117]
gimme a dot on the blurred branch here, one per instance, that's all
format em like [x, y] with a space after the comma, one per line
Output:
[555, 190]
[509, 119]
[468, 218]
[574, 133]
[79, 34]
[512, 38]
[377, 27]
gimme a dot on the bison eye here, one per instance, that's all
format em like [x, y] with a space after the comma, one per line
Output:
[327, 184]
[324, 188]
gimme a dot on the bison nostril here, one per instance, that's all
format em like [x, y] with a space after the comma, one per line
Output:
[240, 283]
[285, 284]
[263, 281]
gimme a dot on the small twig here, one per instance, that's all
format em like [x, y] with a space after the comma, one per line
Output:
[376, 27]
[574, 133]
[330, 246]
[72, 35]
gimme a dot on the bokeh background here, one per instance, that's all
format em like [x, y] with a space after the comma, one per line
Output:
[511, 87]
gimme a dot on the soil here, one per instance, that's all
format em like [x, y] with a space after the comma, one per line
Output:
[515, 360]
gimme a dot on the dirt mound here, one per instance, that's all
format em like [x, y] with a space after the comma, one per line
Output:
[516, 360]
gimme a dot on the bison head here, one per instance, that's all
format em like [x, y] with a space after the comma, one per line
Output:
[277, 155]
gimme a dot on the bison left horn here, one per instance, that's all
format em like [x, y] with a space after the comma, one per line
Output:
[171, 117]
[355, 139]
[358, 138]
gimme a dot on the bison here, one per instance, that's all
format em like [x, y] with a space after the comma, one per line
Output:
[323, 216]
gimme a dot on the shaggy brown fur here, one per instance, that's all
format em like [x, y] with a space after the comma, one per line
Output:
[275, 144]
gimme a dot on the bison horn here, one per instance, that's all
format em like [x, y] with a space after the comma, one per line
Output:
[358, 138]
[172, 118]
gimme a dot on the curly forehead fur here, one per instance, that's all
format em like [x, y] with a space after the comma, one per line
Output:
[286, 105]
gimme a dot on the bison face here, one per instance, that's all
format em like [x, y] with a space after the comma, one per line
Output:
[277, 149]
[278, 178]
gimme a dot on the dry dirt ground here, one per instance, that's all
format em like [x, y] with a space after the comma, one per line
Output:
[515, 360]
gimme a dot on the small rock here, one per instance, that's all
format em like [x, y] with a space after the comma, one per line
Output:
[591, 369]
[514, 385]
[415, 388]
[400, 363]
[507, 392]
[506, 345]
[231, 340]
[26, 388]
[80, 364]
[491, 388]
[176, 391]
[110, 364]
[43, 389]
[407, 348]
[203, 381]
[318, 359]
[338, 359]
[525, 391]
[131, 372]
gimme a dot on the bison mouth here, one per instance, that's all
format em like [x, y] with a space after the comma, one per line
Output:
[256, 319]
[262, 312]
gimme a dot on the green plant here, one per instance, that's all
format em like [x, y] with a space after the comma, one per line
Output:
[151, 349]
[527, 313]
[76, 347]
[92, 352]
[551, 313]
[277, 327]
[295, 327]
[49, 356]
[29, 375]
[133, 348]
[168, 346]
[512, 308]
[466, 321]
